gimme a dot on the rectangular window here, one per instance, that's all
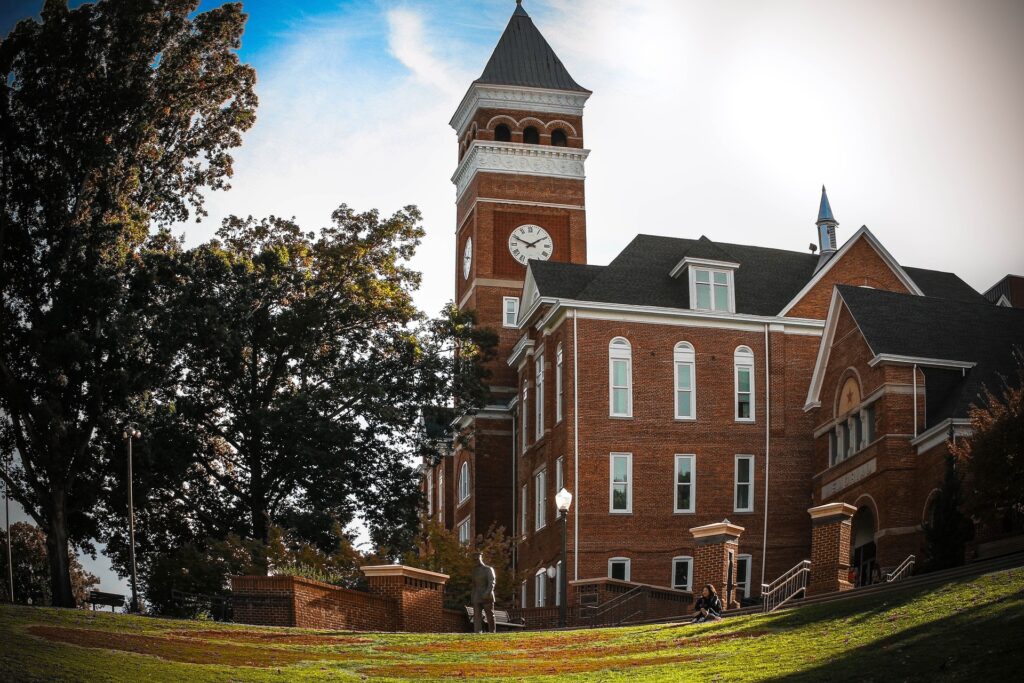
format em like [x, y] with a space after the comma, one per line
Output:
[833, 452]
[620, 372]
[464, 531]
[711, 290]
[685, 483]
[440, 494]
[744, 498]
[559, 474]
[682, 573]
[684, 391]
[540, 583]
[869, 424]
[559, 389]
[538, 395]
[621, 483]
[524, 501]
[511, 307]
[618, 568]
[744, 393]
[840, 443]
[540, 492]
[858, 435]
[524, 412]
[743, 563]
[430, 493]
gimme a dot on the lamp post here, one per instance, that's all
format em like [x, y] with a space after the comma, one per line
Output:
[563, 499]
[131, 431]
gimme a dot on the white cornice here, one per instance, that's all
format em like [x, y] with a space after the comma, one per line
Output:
[517, 98]
[521, 350]
[939, 433]
[518, 158]
[690, 261]
[896, 359]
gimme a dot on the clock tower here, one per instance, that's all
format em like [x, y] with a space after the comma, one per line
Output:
[519, 196]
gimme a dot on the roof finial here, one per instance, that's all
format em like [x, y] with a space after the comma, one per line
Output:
[519, 9]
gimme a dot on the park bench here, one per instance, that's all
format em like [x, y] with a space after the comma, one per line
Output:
[101, 598]
[501, 619]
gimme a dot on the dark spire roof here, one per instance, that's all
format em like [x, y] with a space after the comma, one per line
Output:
[523, 57]
[825, 210]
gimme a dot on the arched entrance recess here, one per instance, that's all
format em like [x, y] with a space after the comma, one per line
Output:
[863, 550]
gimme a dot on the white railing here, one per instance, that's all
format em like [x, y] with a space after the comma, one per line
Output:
[777, 593]
[905, 569]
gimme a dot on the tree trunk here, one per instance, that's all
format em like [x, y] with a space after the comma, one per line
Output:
[57, 550]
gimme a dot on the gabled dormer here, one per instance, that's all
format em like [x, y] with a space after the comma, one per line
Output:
[710, 276]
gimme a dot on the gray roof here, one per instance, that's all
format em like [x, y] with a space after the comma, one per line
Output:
[931, 327]
[766, 280]
[522, 57]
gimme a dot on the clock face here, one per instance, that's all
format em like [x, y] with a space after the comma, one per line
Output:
[467, 258]
[530, 242]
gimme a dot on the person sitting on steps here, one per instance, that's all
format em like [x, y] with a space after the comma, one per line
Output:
[708, 607]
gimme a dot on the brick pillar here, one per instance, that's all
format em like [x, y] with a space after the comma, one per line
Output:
[716, 547]
[418, 595]
[830, 548]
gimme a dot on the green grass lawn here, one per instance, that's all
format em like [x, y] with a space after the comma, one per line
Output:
[962, 631]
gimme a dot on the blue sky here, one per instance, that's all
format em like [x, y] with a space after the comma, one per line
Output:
[708, 117]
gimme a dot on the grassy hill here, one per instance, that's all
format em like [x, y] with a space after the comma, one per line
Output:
[972, 630]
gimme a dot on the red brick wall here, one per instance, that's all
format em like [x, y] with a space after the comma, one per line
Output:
[296, 601]
[830, 556]
[861, 265]
[711, 564]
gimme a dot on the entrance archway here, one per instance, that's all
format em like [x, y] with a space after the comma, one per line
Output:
[863, 550]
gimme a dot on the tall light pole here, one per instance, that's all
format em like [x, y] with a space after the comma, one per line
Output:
[563, 499]
[131, 431]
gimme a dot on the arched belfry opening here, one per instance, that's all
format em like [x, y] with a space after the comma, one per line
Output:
[502, 133]
[531, 136]
[559, 138]
[863, 551]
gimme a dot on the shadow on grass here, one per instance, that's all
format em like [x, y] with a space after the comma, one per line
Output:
[978, 644]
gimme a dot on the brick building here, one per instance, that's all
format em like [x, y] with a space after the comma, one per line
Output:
[680, 386]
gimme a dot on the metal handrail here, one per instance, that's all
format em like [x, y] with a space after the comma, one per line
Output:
[905, 569]
[618, 601]
[784, 588]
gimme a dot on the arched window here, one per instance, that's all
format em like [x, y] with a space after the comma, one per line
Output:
[531, 136]
[464, 483]
[502, 133]
[558, 384]
[538, 395]
[559, 138]
[685, 381]
[540, 584]
[743, 361]
[620, 378]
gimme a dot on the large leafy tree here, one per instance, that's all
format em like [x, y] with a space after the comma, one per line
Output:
[31, 567]
[113, 116]
[303, 370]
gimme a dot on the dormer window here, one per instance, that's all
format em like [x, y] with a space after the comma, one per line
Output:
[712, 289]
[712, 286]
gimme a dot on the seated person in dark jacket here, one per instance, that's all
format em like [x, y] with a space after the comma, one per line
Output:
[708, 607]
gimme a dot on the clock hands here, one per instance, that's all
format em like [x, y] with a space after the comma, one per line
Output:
[529, 244]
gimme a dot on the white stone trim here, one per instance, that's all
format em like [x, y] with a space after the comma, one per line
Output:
[402, 570]
[516, 98]
[933, 437]
[518, 158]
[708, 263]
[896, 359]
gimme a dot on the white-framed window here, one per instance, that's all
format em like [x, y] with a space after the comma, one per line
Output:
[540, 499]
[559, 473]
[440, 493]
[618, 568]
[430, 493]
[685, 398]
[524, 501]
[558, 583]
[523, 410]
[743, 500]
[685, 483]
[682, 573]
[540, 584]
[743, 563]
[538, 394]
[463, 483]
[464, 532]
[559, 388]
[711, 289]
[743, 361]
[510, 306]
[620, 483]
[522, 595]
[620, 378]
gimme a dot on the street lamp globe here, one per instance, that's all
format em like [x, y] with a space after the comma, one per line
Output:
[563, 499]
[552, 571]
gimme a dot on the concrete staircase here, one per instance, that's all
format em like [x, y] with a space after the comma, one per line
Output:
[966, 572]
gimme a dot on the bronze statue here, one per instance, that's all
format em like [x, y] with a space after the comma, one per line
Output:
[483, 594]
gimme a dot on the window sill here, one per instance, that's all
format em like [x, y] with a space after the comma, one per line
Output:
[685, 419]
[620, 512]
[620, 417]
[684, 512]
[745, 421]
[743, 512]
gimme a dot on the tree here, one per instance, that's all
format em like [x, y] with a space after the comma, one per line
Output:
[302, 373]
[947, 530]
[441, 551]
[993, 455]
[113, 116]
[31, 567]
